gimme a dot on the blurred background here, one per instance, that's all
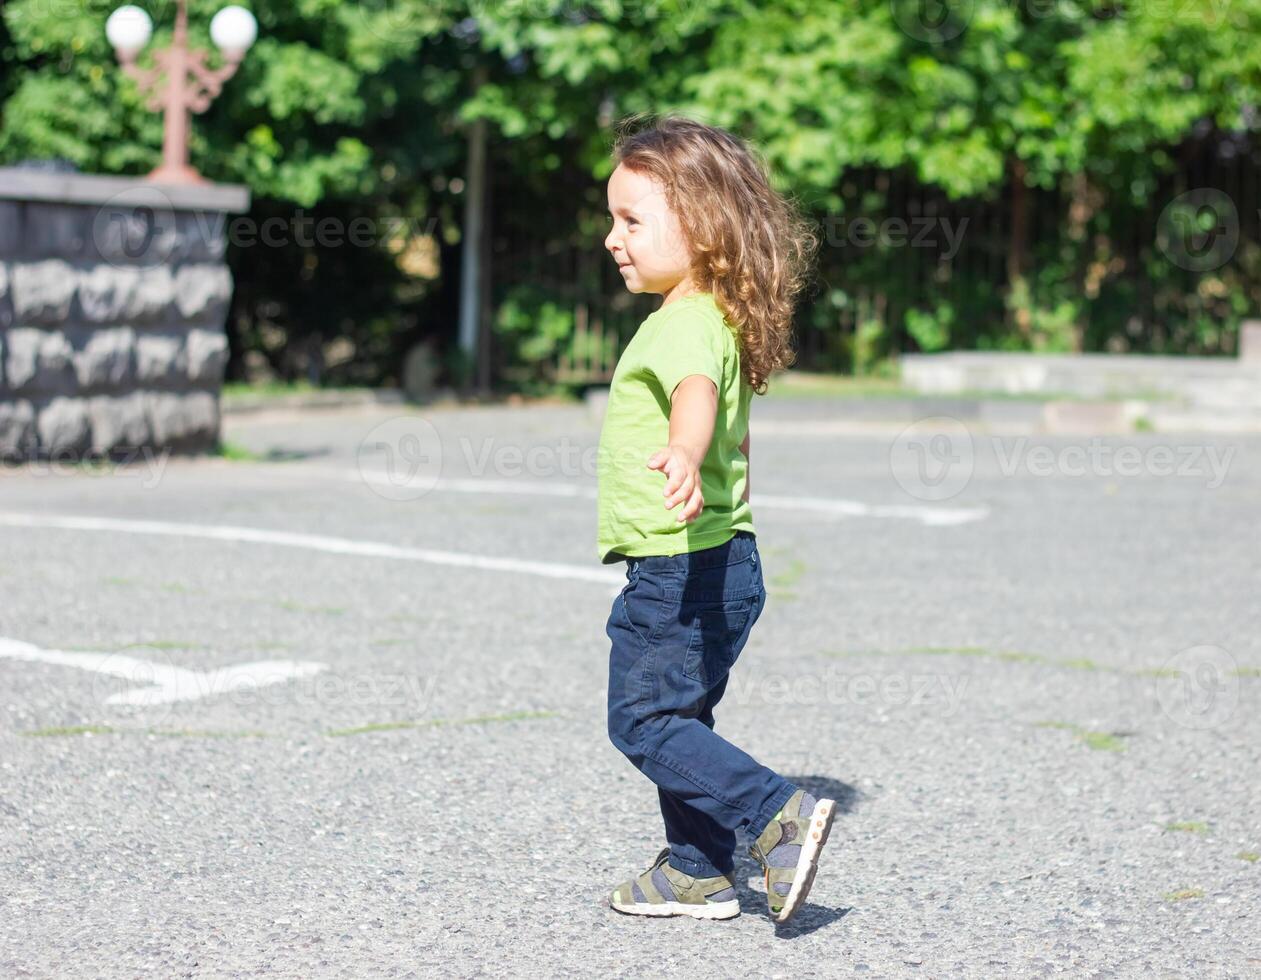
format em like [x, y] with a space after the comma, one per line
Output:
[1020, 176]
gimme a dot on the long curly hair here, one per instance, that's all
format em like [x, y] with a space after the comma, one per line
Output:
[751, 246]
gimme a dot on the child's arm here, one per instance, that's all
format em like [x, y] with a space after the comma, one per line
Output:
[693, 409]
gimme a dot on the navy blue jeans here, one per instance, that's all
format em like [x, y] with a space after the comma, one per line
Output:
[677, 628]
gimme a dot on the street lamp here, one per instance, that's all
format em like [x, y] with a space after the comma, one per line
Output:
[181, 83]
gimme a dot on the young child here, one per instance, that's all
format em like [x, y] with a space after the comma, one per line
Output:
[694, 219]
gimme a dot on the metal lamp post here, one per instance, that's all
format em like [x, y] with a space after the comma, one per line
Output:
[181, 83]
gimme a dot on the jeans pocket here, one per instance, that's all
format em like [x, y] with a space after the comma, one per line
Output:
[718, 633]
[632, 577]
[640, 612]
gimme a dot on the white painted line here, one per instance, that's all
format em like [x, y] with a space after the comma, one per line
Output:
[313, 542]
[929, 516]
[164, 683]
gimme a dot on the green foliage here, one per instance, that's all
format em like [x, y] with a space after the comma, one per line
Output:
[823, 87]
[293, 124]
[363, 108]
[532, 325]
[536, 341]
[1040, 327]
[866, 346]
[931, 330]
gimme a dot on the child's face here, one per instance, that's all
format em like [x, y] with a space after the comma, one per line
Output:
[646, 239]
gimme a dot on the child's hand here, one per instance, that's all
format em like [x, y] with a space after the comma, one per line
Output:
[683, 480]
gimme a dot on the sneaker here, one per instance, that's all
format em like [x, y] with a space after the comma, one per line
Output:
[788, 850]
[663, 890]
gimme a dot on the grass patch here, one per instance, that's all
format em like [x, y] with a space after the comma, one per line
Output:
[814, 384]
[1102, 741]
[1183, 894]
[280, 389]
[61, 731]
[299, 607]
[203, 733]
[162, 645]
[1188, 826]
[92, 463]
[1017, 656]
[948, 651]
[1009, 655]
[1250, 856]
[390, 726]
[176, 588]
[1248, 671]
[1099, 741]
[273, 389]
[1013, 656]
[810, 384]
[790, 576]
[383, 726]
[236, 452]
[510, 716]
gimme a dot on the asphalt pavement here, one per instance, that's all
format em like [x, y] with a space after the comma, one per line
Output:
[334, 705]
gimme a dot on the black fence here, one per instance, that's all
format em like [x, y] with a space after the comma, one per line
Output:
[1167, 264]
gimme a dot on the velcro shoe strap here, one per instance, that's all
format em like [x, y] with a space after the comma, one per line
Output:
[646, 886]
[651, 892]
[691, 891]
[785, 830]
[776, 876]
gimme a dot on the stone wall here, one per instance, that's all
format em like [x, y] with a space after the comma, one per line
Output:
[113, 299]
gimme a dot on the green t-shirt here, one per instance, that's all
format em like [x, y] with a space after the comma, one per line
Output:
[688, 336]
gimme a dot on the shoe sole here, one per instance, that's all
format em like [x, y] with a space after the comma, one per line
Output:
[808, 862]
[710, 910]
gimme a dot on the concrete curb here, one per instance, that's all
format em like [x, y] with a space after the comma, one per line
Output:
[1213, 383]
[442, 399]
[1051, 417]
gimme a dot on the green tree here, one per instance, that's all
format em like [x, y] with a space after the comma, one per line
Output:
[362, 107]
